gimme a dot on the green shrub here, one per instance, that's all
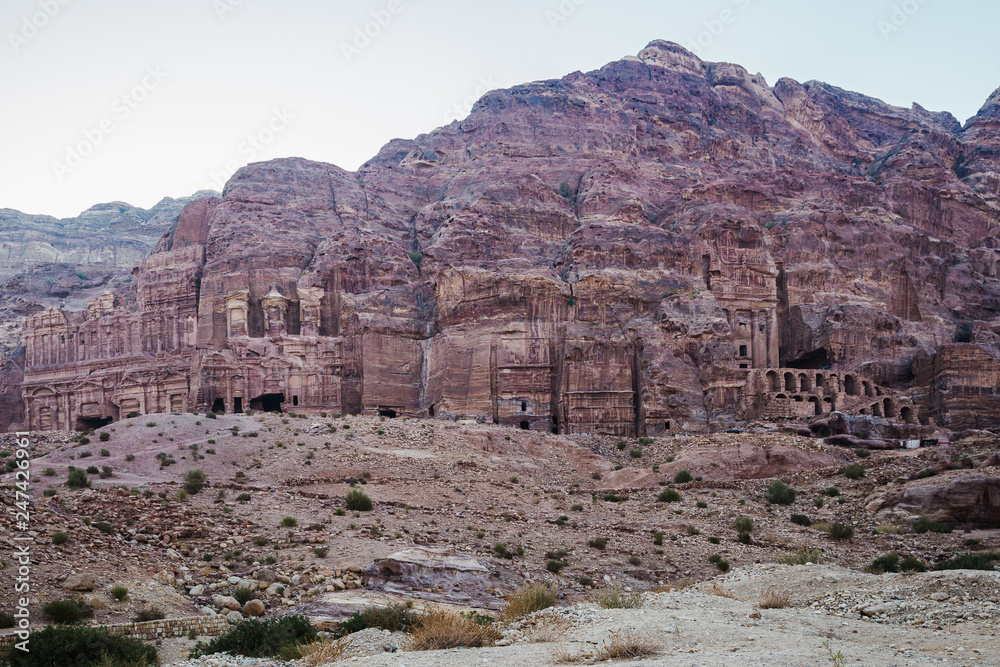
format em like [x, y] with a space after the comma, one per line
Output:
[149, 614]
[911, 564]
[832, 492]
[85, 646]
[701, 504]
[104, 437]
[714, 540]
[211, 415]
[979, 561]
[119, 592]
[598, 543]
[801, 520]
[132, 415]
[635, 453]
[621, 445]
[289, 522]
[554, 566]
[259, 639]
[104, 527]
[612, 498]
[923, 525]
[60, 537]
[242, 594]
[77, 479]
[668, 496]
[780, 493]
[106, 472]
[658, 538]
[743, 524]
[719, 562]
[66, 611]
[840, 531]
[615, 597]
[683, 477]
[357, 501]
[49, 472]
[194, 480]
[49, 492]
[883, 564]
[321, 552]
[243, 498]
[744, 538]
[396, 617]
[862, 453]
[854, 471]
[93, 470]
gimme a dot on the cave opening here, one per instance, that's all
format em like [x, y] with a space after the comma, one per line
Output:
[815, 359]
[295, 400]
[430, 411]
[387, 412]
[525, 425]
[237, 405]
[219, 406]
[267, 402]
[87, 423]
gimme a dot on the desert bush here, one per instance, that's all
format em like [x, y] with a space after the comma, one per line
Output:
[93, 470]
[66, 611]
[146, 614]
[772, 599]
[242, 594]
[49, 493]
[289, 522]
[554, 566]
[615, 597]
[501, 550]
[840, 531]
[701, 504]
[854, 471]
[683, 477]
[743, 524]
[85, 645]
[194, 480]
[49, 472]
[119, 592]
[104, 437]
[259, 639]
[978, 561]
[440, 629]
[396, 617]
[887, 563]
[243, 498]
[528, 599]
[60, 537]
[612, 498]
[923, 525]
[801, 520]
[668, 496]
[911, 564]
[658, 537]
[832, 492]
[598, 543]
[744, 538]
[621, 445]
[321, 552]
[862, 453]
[357, 501]
[801, 556]
[104, 527]
[719, 562]
[635, 453]
[322, 651]
[780, 493]
[714, 540]
[77, 479]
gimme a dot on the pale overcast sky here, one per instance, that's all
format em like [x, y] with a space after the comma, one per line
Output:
[134, 100]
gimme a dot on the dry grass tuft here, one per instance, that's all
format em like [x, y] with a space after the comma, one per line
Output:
[718, 589]
[616, 598]
[547, 633]
[440, 629]
[772, 599]
[325, 650]
[528, 599]
[628, 644]
[560, 655]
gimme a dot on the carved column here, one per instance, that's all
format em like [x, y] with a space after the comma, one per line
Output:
[275, 306]
[237, 305]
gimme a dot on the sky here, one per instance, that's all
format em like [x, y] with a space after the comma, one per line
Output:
[136, 100]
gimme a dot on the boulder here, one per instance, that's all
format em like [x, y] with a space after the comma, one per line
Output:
[234, 617]
[84, 581]
[441, 574]
[253, 608]
[226, 602]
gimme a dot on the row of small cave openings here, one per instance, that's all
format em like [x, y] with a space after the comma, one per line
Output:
[885, 408]
[792, 382]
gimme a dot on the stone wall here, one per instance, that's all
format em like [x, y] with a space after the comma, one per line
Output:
[204, 626]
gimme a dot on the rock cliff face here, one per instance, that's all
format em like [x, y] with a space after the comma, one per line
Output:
[661, 245]
[46, 262]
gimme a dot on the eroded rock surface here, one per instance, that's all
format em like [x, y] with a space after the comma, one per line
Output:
[663, 245]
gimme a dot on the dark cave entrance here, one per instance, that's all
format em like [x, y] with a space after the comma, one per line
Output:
[815, 359]
[237, 405]
[525, 425]
[387, 412]
[219, 406]
[87, 423]
[267, 402]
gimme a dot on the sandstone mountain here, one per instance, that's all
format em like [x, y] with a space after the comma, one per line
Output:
[47, 262]
[663, 245]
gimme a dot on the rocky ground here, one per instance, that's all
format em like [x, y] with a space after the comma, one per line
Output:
[472, 487]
